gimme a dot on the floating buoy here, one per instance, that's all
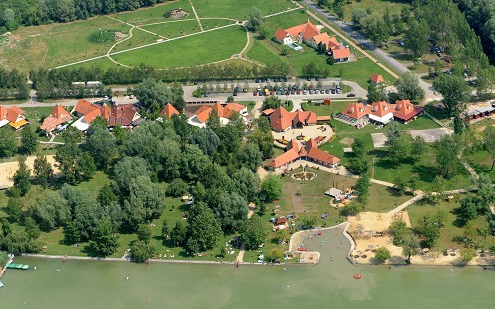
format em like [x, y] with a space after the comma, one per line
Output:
[358, 276]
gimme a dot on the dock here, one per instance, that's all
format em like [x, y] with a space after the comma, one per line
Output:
[17, 266]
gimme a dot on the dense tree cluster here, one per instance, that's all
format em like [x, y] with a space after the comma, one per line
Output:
[13, 84]
[14, 13]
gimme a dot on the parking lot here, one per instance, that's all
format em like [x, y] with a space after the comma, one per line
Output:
[431, 135]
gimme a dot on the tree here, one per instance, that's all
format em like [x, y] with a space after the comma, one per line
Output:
[447, 149]
[271, 188]
[129, 168]
[362, 187]
[408, 87]
[255, 20]
[359, 147]
[469, 208]
[51, 210]
[399, 231]
[14, 209]
[382, 254]
[177, 188]
[400, 185]
[417, 37]
[21, 178]
[165, 228]
[398, 150]
[231, 210]
[271, 102]
[141, 251]
[429, 228]
[18, 242]
[153, 93]
[72, 135]
[357, 15]
[75, 164]
[29, 141]
[8, 143]
[246, 182]
[249, 156]
[42, 170]
[467, 254]
[206, 139]
[410, 247]
[489, 143]
[32, 229]
[178, 234]
[274, 255]
[103, 147]
[145, 201]
[105, 241]
[338, 8]
[253, 232]
[376, 93]
[203, 228]
[375, 28]
[393, 132]
[144, 233]
[454, 91]
[418, 147]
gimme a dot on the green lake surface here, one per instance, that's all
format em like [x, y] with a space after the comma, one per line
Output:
[330, 284]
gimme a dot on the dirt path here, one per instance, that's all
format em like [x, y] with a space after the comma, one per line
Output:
[197, 17]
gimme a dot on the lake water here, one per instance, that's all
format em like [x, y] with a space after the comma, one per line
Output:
[89, 284]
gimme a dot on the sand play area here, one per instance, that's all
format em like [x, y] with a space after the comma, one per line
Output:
[8, 169]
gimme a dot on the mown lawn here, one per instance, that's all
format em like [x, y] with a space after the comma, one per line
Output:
[139, 38]
[239, 9]
[174, 29]
[481, 162]
[155, 14]
[198, 49]
[376, 6]
[453, 229]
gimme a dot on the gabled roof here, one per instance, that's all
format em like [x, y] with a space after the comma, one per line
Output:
[13, 113]
[308, 30]
[92, 115]
[85, 107]
[16, 110]
[341, 53]
[281, 34]
[3, 112]
[122, 114]
[322, 37]
[288, 156]
[310, 150]
[58, 116]
[356, 110]
[377, 78]
[268, 111]
[168, 111]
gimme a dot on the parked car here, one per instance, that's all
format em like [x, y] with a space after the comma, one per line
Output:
[298, 91]
[322, 91]
[255, 93]
[311, 91]
[338, 91]
[333, 91]
[351, 95]
[235, 94]
[327, 91]
[305, 91]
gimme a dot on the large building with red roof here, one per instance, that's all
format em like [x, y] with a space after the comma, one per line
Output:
[283, 120]
[309, 152]
[359, 114]
[310, 34]
[12, 116]
[58, 116]
[224, 112]
[126, 115]
[168, 111]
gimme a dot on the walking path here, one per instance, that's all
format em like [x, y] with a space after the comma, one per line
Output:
[279, 13]
[197, 17]
[468, 167]
[405, 204]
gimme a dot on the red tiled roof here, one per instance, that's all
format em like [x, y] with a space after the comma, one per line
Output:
[356, 110]
[280, 34]
[281, 119]
[323, 118]
[85, 107]
[281, 220]
[268, 111]
[122, 114]
[223, 111]
[320, 155]
[58, 116]
[16, 110]
[310, 150]
[287, 157]
[169, 110]
[340, 53]
[308, 30]
[381, 108]
[377, 78]
[92, 115]
[405, 110]
[3, 112]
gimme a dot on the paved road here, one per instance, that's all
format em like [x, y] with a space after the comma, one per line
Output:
[368, 45]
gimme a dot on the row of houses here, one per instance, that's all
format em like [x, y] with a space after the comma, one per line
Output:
[12, 116]
[309, 152]
[360, 114]
[282, 120]
[224, 112]
[309, 34]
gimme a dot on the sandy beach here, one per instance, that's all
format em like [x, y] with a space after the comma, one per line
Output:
[8, 169]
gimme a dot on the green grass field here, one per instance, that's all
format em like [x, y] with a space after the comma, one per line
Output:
[154, 14]
[239, 9]
[185, 52]
[138, 38]
[376, 6]
[453, 229]
[174, 29]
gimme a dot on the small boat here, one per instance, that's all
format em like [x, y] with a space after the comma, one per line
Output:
[1, 284]
[358, 276]
[301, 249]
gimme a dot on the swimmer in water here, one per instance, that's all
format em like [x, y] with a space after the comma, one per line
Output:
[127, 278]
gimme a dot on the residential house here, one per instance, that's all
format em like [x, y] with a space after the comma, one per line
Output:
[168, 111]
[359, 114]
[309, 152]
[310, 34]
[12, 116]
[377, 79]
[58, 116]
[126, 115]
[224, 112]
[282, 120]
